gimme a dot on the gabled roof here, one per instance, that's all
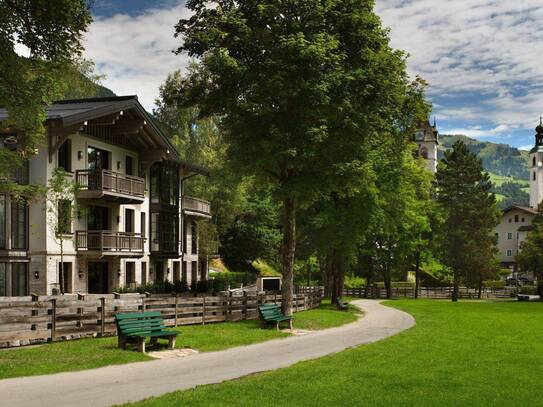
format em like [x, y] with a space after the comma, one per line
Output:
[526, 209]
[74, 111]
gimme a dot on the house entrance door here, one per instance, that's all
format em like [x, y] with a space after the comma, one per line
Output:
[98, 277]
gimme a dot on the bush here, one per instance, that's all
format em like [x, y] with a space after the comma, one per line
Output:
[221, 281]
[494, 284]
[527, 289]
[396, 284]
[354, 282]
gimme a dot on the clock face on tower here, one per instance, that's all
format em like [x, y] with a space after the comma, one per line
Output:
[419, 135]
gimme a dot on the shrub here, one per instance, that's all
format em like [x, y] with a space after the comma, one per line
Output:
[221, 281]
[354, 282]
[494, 284]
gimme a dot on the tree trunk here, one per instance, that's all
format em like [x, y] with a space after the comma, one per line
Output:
[539, 286]
[417, 270]
[288, 251]
[388, 284]
[479, 289]
[455, 286]
[338, 275]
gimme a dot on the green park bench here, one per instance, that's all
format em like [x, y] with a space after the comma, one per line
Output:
[342, 305]
[136, 327]
[271, 314]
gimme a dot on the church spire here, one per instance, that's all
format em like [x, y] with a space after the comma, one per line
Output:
[539, 132]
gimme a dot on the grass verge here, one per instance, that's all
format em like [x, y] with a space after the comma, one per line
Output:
[93, 353]
[468, 353]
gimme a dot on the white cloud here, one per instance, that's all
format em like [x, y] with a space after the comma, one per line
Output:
[527, 148]
[487, 48]
[135, 52]
[501, 130]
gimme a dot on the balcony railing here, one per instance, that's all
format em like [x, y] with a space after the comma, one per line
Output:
[106, 183]
[196, 205]
[108, 242]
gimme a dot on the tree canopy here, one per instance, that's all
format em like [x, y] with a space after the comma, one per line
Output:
[48, 33]
[305, 91]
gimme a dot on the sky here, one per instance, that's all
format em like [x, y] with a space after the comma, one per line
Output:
[481, 58]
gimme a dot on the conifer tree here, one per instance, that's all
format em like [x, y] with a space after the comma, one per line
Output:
[530, 255]
[469, 212]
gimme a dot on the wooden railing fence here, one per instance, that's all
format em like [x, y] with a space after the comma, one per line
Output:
[430, 292]
[37, 319]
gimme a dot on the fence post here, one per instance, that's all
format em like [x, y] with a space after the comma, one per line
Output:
[102, 316]
[203, 309]
[53, 318]
[80, 297]
[227, 311]
[244, 304]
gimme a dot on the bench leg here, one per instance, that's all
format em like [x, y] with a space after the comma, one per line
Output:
[290, 324]
[277, 325]
[141, 345]
[171, 342]
[121, 342]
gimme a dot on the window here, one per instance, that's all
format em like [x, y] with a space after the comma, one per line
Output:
[98, 218]
[497, 235]
[185, 236]
[65, 155]
[64, 225]
[510, 220]
[176, 271]
[194, 238]
[130, 273]
[184, 272]
[522, 219]
[516, 218]
[533, 176]
[509, 236]
[509, 252]
[3, 279]
[533, 161]
[143, 225]
[67, 281]
[129, 165]
[129, 220]
[18, 225]
[154, 180]
[19, 279]
[98, 159]
[2, 222]
[144, 272]
[194, 272]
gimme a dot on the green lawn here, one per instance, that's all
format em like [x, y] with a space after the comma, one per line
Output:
[92, 353]
[468, 353]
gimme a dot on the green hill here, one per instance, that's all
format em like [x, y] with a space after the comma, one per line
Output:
[507, 166]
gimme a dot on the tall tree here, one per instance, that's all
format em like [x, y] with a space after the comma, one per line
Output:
[530, 255]
[49, 33]
[303, 88]
[470, 214]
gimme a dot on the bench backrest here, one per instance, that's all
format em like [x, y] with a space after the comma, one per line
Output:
[270, 311]
[139, 323]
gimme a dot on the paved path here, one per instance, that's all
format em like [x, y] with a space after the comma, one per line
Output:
[136, 381]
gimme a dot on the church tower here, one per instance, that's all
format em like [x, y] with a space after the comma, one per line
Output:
[536, 168]
[427, 142]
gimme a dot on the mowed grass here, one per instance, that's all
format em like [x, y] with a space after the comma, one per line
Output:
[463, 354]
[92, 353]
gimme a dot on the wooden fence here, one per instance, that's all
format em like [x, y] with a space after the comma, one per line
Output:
[431, 292]
[30, 320]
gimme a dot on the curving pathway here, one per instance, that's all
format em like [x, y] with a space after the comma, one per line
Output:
[135, 381]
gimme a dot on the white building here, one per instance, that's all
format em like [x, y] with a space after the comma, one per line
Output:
[516, 221]
[427, 141]
[514, 225]
[536, 168]
[133, 224]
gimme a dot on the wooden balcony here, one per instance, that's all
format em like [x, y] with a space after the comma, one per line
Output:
[196, 207]
[110, 186]
[109, 243]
